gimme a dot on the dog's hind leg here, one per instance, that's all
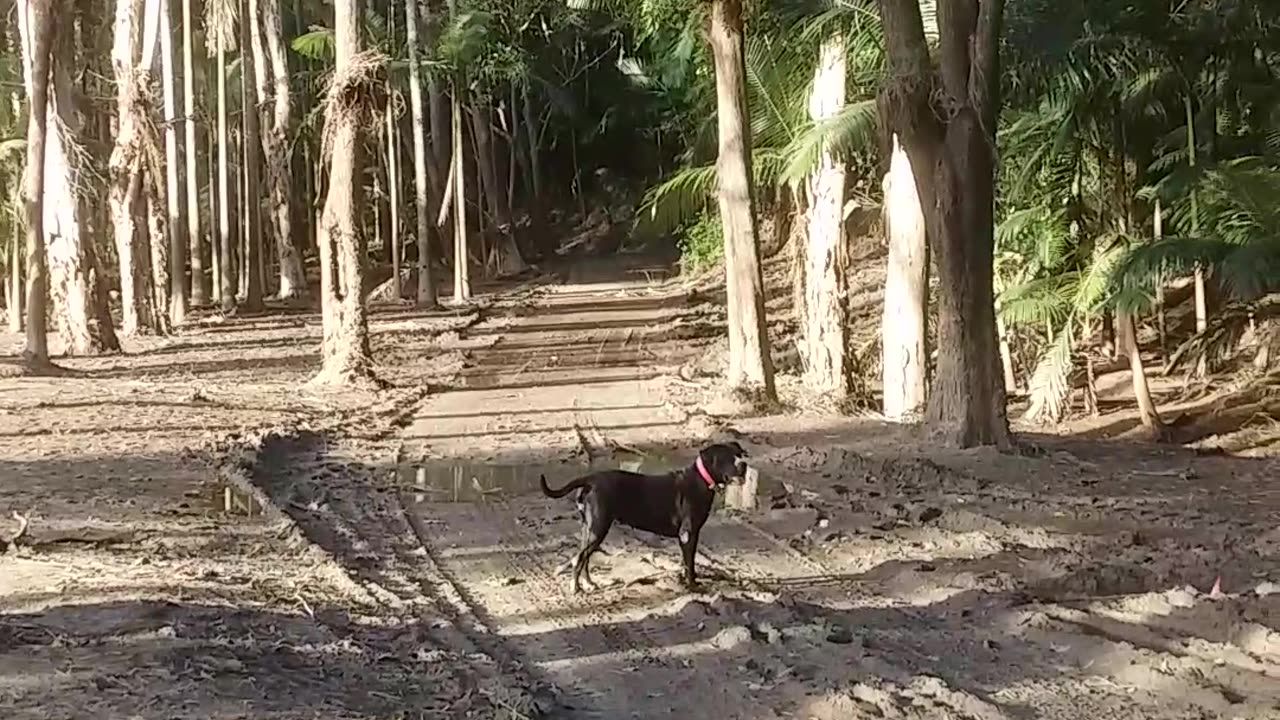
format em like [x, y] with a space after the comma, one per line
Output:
[593, 534]
[689, 550]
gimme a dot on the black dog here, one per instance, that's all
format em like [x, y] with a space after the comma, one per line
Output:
[676, 504]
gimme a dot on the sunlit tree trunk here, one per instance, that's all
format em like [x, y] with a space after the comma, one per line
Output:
[458, 179]
[1128, 341]
[952, 152]
[276, 151]
[823, 335]
[345, 348]
[393, 194]
[421, 196]
[178, 241]
[226, 259]
[76, 283]
[905, 353]
[750, 366]
[1201, 304]
[195, 240]
[35, 24]
[250, 147]
[125, 197]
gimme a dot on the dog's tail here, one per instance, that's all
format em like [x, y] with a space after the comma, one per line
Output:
[560, 492]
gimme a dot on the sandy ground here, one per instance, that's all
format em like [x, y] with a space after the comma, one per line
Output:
[210, 539]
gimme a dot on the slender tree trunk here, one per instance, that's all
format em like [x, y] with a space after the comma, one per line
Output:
[421, 197]
[345, 349]
[226, 260]
[904, 326]
[750, 366]
[1157, 219]
[1201, 304]
[251, 210]
[276, 150]
[509, 260]
[393, 192]
[953, 154]
[76, 283]
[823, 347]
[461, 263]
[35, 24]
[126, 166]
[1147, 411]
[14, 286]
[195, 240]
[178, 242]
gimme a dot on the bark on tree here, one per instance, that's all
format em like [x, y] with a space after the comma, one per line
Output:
[509, 261]
[76, 284]
[946, 119]
[904, 328]
[126, 165]
[195, 240]
[421, 198]
[345, 348]
[251, 210]
[750, 366]
[1147, 411]
[823, 347]
[276, 151]
[226, 260]
[393, 194]
[458, 178]
[178, 241]
[35, 24]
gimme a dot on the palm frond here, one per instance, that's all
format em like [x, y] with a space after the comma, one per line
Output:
[1050, 387]
[849, 131]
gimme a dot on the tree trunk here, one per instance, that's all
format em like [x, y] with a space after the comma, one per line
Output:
[393, 195]
[952, 151]
[345, 349]
[125, 195]
[13, 286]
[177, 240]
[904, 326]
[750, 366]
[421, 197]
[195, 240]
[226, 260]
[1201, 304]
[509, 260]
[35, 24]
[823, 346]
[76, 285]
[250, 78]
[276, 150]
[461, 263]
[1157, 220]
[1147, 411]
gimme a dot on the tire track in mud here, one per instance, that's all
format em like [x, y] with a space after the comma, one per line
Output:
[369, 533]
[626, 663]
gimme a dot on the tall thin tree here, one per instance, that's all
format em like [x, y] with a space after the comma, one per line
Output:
[35, 23]
[178, 242]
[421, 199]
[195, 240]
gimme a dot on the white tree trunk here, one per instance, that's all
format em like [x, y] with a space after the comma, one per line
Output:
[226, 261]
[195, 241]
[35, 26]
[275, 145]
[906, 293]
[421, 198]
[84, 325]
[823, 346]
[393, 190]
[177, 240]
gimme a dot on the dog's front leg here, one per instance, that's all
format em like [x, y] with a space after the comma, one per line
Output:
[688, 538]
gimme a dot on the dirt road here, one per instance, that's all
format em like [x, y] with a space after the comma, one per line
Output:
[1074, 583]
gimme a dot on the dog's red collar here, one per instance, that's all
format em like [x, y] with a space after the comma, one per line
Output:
[706, 476]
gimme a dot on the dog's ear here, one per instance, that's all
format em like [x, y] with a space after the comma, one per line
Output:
[741, 450]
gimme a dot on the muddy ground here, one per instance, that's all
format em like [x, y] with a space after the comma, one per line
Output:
[211, 539]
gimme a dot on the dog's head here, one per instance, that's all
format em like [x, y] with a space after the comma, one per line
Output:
[726, 462]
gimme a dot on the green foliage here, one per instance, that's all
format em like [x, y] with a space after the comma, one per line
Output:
[701, 243]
